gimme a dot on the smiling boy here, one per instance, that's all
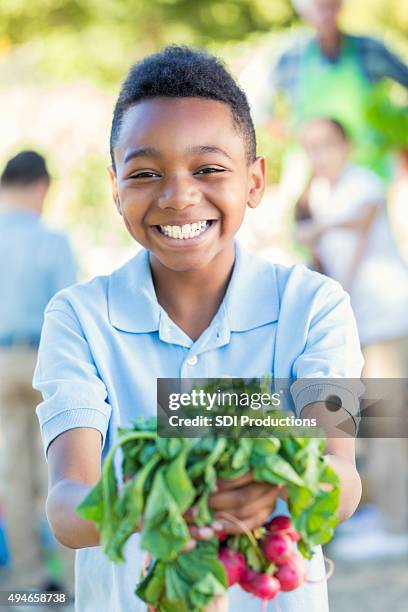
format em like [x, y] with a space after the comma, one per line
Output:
[190, 304]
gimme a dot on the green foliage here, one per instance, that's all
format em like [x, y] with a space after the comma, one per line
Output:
[98, 40]
[171, 475]
[208, 19]
[389, 120]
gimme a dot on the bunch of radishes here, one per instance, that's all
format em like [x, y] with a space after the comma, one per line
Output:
[283, 568]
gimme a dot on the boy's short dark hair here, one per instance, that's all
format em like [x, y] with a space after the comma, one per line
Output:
[182, 72]
[25, 168]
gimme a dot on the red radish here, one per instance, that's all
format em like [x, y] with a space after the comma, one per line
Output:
[301, 564]
[280, 523]
[292, 574]
[283, 525]
[234, 564]
[260, 585]
[222, 536]
[246, 579]
[277, 548]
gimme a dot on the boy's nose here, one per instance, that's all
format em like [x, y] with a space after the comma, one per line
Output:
[179, 193]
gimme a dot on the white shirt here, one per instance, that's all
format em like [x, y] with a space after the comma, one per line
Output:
[379, 289]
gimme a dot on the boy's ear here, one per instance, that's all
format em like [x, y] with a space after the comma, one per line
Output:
[114, 186]
[257, 180]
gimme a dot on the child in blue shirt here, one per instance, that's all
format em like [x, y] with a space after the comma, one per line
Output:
[191, 303]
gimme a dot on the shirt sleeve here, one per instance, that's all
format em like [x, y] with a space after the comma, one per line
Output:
[66, 375]
[331, 363]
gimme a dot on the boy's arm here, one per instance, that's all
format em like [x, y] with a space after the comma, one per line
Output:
[340, 454]
[74, 467]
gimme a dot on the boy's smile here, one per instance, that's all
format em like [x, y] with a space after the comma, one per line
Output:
[182, 180]
[186, 233]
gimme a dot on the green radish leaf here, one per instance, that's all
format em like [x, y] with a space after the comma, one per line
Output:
[129, 507]
[178, 482]
[164, 531]
[92, 508]
[177, 589]
[169, 447]
[264, 447]
[299, 498]
[253, 554]
[203, 558]
[241, 456]
[305, 549]
[204, 591]
[276, 471]
[203, 572]
[99, 506]
[151, 588]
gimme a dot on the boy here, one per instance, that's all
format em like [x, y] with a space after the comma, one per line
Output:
[190, 304]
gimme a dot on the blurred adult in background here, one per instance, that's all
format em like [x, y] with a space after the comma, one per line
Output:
[342, 217]
[332, 74]
[35, 263]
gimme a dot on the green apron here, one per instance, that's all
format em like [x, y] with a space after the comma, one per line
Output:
[340, 90]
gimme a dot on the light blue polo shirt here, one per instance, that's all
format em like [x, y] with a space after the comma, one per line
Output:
[105, 342]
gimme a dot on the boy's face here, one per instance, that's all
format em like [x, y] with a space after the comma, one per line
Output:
[182, 180]
[327, 150]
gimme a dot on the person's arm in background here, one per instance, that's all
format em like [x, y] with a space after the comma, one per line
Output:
[302, 208]
[304, 230]
[362, 225]
[381, 63]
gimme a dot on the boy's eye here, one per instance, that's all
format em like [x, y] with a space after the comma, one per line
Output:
[209, 170]
[144, 175]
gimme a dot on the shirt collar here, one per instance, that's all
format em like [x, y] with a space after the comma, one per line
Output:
[251, 299]
[132, 302]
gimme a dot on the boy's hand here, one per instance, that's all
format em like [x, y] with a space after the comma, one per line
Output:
[248, 501]
[218, 604]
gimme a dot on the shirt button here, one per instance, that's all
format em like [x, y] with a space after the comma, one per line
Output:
[192, 360]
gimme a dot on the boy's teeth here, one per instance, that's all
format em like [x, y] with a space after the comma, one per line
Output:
[185, 231]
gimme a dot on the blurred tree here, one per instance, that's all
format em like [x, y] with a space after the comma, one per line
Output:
[97, 39]
[208, 19]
